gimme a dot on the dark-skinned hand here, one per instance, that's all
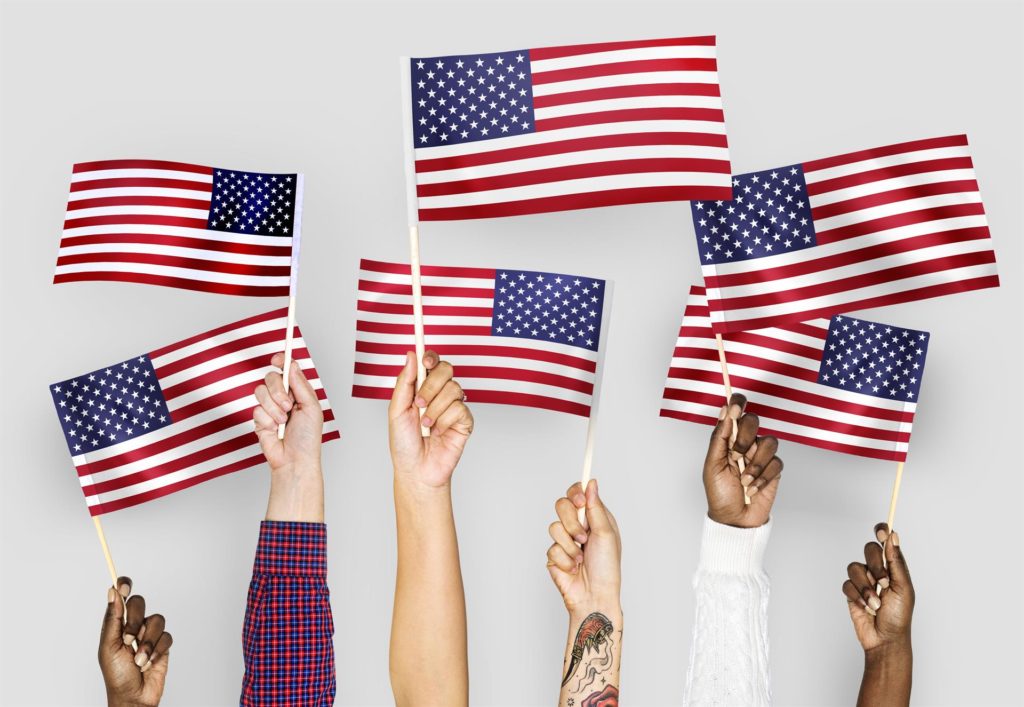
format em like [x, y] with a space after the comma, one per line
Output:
[132, 676]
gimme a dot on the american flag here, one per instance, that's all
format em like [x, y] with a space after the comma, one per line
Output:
[844, 384]
[516, 337]
[862, 230]
[181, 225]
[161, 422]
[536, 130]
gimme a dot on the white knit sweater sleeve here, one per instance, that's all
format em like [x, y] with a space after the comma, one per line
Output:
[729, 655]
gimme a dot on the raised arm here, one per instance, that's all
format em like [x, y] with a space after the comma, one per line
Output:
[881, 599]
[428, 629]
[729, 654]
[287, 640]
[584, 563]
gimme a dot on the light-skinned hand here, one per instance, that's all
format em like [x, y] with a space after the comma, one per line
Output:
[723, 483]
[584, 560]
[428, 461]
[132, 677]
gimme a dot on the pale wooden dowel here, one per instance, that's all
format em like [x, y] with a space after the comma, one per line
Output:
[287, 355]
[588, 460]
[895, 495]
[740, 461]
[106, 551]
[417, 312]
[595, 398]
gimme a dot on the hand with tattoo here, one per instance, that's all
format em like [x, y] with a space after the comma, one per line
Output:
[584, 563]
[725, 485]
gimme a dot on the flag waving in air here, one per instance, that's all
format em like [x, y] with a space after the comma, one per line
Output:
[537, 130]
[843, 384]
[181, 225]
[514, 336]
[167, 420]
[861, 230]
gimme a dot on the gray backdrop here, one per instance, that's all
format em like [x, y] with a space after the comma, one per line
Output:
[313, 87]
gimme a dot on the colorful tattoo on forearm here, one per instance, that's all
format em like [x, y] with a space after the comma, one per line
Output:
[595, 631]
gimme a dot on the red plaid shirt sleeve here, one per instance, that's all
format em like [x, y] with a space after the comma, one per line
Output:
[287, 641]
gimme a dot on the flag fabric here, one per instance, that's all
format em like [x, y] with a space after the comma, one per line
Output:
[516, 337]
[167, 420]
[181, 225]
[537, 130]
[862, 230]
[843, 384]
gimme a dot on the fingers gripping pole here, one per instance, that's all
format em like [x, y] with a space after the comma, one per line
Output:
[417, 311]
[740, 461]
[106, 550]
[895, 495]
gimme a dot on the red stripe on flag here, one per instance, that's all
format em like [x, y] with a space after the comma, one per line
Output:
[431, 270]
[711, 115]
[898, 149]
[639, 66]
[570, 202]
[254, 365]
[428, 310]
[266, 316]
[396, 288]
[750, 360]
[885, 223]
[918, 191]
[870, 176]
[264, 337]
[577, 49]
[148, 219]
[432, 329]
[576, 171]
[202, 204]
[179, 282]
[200, 243]
[581, 144]
[489, 372]
[631, 91]
[157, 182]
[141, 164]
[447, 350]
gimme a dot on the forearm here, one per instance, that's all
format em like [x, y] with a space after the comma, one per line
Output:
[296, 494]
[428, 630]
[593, 656]
[729, 652]
[888, 672]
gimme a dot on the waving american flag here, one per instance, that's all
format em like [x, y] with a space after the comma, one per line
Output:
[181, 225]
[844, 384]
[166, 420]
[516, 337]
[862, 230]
[536, 130]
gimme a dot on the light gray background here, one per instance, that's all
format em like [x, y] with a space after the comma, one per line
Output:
[313, 87]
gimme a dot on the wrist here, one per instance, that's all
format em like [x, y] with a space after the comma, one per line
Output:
[408, 482]
[892, 651]
[297, 493]
[610, 607]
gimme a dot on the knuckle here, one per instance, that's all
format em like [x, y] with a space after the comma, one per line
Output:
[853, 567]
[444, 367]
[553, 528]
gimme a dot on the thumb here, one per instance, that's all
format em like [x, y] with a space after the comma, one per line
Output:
[598, 519]
[405, 387]
[718, 449]
[301, 387]
[899, 574]
[113, 624]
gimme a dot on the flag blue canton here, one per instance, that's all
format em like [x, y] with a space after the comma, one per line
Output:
[252, 203]
[565, 309]
[110, 406]
[769, 214]
[457, 99]
[874, 359]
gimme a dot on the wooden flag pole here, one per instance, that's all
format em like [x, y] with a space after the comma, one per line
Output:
[412, 213]
[728, 396]
[595, 399]
[895, 495]
[293, 286]
[106, 551]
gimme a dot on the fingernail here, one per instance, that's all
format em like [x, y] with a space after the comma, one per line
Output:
[125, 590]
[420, 402]
[286, 404]
[147, 666]
[881, 535]
[751, 490]
[871, 611]
[579, 500]
[874, 603]
[426, 421]
[141, 658]
[746, 479]
[128, 638]
[579, 559]
[895, 539]
[883, 583]
[581, 538]
[111, 595]
[575, 569]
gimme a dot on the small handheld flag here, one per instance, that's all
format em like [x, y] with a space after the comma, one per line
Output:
[538, 130]
[150, 425]
[181, 225]
[843, 384]
[867, 229]
[515, 337]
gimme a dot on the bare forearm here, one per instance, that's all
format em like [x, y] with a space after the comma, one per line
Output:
[593, 655]
[428, 631]
[888, 673]
[296, 495]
